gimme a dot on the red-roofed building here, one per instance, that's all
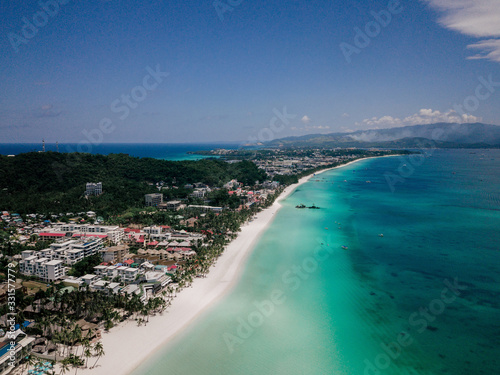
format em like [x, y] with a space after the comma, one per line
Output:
[153, 243]
[128, 262]
[51, 236]
[103, 236]
[128, 230]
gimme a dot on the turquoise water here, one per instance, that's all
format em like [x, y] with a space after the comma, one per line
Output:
[305, 305]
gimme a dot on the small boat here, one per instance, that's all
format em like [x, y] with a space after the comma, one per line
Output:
[344, 247]
[300, 206]
[381, 235]
[314, 207]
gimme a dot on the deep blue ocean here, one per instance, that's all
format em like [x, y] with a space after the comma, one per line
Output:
[165, 151]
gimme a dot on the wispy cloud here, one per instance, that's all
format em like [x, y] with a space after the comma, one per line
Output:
[490, 49]
[423, 117]
[476, 18]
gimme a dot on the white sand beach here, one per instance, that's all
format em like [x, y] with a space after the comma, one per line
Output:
[127, 346]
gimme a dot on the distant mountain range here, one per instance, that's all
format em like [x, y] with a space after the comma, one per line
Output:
[441, 135]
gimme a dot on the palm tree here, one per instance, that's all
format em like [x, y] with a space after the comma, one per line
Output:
[87, 354]
[64, 367]
[98, 351]
[56, 338]
[76, 336]
[29, 359]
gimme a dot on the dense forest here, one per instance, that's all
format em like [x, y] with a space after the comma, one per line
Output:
[55, 182]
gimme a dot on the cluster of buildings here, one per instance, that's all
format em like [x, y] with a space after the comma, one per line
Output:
[131, 278]
[159, 245]
[109, 234]
[247, 197]
[282, 165]
[288, 161]
[50, 264]
[115, 274]
[11, 218]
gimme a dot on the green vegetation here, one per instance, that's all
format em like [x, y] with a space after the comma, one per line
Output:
[85, 266]
[55, 182]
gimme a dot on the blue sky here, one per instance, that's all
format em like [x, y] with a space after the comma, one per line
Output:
[230, 73]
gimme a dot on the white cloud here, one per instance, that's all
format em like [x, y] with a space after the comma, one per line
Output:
[305, 119]
[384, 122]
[345, 114]
[490, 48]
[477, 18]
[423, 117]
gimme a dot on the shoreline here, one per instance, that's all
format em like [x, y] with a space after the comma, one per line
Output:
[123, 355]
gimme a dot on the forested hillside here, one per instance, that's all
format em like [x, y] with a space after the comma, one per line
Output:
[55, 182]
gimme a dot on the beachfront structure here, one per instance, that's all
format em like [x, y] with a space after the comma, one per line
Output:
[153, 200]
[132, 289]
[14, 342]
[157, 277]
[106, 286]
[123, 273]
[93, 188]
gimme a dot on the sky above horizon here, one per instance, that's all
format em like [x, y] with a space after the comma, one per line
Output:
[237, 70]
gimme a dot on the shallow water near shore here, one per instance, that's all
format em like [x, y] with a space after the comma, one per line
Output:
[421, 299]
